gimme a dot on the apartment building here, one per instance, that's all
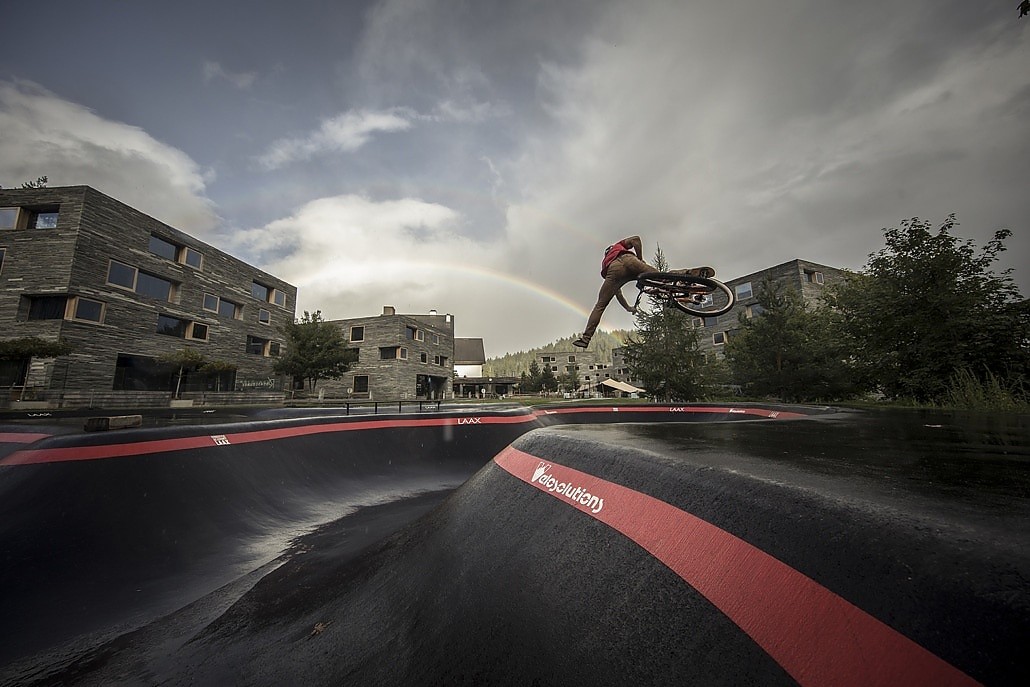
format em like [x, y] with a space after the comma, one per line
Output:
[807, 278]
[399, 357]
[124, 289]
[585, 364]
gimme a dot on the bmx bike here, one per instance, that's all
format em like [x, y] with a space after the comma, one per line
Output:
[698, 296]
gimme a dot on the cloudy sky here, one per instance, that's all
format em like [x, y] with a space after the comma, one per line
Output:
[476, 157]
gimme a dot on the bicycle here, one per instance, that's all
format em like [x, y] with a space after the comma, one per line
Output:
[698, 296]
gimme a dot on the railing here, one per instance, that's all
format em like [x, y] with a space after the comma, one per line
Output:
[373, 407]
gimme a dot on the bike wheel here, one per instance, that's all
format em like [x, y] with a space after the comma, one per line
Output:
[678, 289]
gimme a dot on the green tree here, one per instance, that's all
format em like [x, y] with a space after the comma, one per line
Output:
[219, 369]
[40, 182]
[790, 350]
[15, 355]
[570, 380]
[533, 382]
[548, 382]
[33, 347]
[929, 305]
[663, 352]
[315, 350]
[185, 359]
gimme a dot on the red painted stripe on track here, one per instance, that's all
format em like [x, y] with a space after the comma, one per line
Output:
[686, 410]
[136, 448]
[818, 637]
[21, 437]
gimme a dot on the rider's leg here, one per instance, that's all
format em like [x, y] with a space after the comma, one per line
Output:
[620, 272]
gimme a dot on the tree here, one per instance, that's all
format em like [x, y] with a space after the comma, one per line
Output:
[663, 353]
[33, 347]
[929, 305]
[315, 350]
[40, 182]
[548, 382]
[790, 350]
[218, 368]
[185, 359]
[533, 382]
[17, 353]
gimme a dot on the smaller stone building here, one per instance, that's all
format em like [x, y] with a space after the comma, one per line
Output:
[399, 357]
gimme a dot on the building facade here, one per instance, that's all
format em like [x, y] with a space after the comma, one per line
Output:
[399, 357]
[807, 278]
[588, 369]
[125, 289]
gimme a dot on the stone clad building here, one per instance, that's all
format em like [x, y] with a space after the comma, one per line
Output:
[123, 288]
[399, 357]
[807, 278]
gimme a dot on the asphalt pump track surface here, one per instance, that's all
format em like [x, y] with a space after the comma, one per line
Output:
[566, 545]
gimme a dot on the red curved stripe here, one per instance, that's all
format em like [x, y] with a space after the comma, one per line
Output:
[818, 637]
[137, 448]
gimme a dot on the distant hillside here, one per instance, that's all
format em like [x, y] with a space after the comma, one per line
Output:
[514, 364]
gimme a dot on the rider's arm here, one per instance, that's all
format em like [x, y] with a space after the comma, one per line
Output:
[634, 243]
[622, 301]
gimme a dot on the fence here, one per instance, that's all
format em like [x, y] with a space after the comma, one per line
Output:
[60, 399]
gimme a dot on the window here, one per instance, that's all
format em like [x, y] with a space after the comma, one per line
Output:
[753, 311]
[158, 246]
[813, 277]
[120, 274]
[274, 348]
[172, 326]
[47, 307]
[572, 358]
[436, 339]
[743, 290]
[357, 333]
[87, 309]
[228, 309]
[8, 218]
[192, 258]
[404, 354]
[3, 252]
[388, 352]
[180, 328]
[43, 218]
[153, 287]
[28, 218]
[409, 332]
[198, 331]
[257, 345]
[719, 338]
[279, 298]
[221, 306]
[423, 357]
[360, 385]
[175, 252]
[260, 291]
[264, 317]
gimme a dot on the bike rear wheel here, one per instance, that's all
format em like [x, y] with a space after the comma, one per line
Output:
[678, 290]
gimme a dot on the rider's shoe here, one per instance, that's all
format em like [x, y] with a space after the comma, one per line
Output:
[581, 342]
[703, 272]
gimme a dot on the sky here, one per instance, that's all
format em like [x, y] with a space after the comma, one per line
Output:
[476, 157]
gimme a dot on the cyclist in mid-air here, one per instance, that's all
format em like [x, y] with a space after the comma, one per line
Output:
[619, 267]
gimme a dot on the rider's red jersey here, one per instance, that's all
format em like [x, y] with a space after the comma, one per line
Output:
[614, 251]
